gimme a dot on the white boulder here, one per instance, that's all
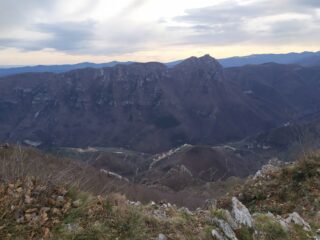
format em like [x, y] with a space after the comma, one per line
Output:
[240, 213]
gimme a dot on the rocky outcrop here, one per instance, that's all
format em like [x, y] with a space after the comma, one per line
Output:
[297, 219]
[225, 228]
[240, 213]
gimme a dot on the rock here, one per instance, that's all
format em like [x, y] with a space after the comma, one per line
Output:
[240, 213]
[226, 229]
[270, 215]
[216, 235]
[283, 223]
[277, 219]
[230, 220]
[60, 198]
[186, 210]
[162, 237]
[73, 227]
[210, 204]
[267, 170]
[317, 237]
[297, 219]
[76, 203]
[159, 213]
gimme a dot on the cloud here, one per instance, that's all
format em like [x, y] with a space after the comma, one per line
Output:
[72, 27]
[306, 3]
[264, 21]
[15, 13]
[62, 36]
[116, 35]
[67, 36]
[132, 7]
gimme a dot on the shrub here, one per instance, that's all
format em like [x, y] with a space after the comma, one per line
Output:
[269, 229]
[245, 233]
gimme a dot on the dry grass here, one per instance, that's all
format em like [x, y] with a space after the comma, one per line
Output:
[30, 209]
[295, 187]
[51, 206]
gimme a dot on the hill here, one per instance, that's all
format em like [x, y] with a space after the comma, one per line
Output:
[20, 162]
[35, 208]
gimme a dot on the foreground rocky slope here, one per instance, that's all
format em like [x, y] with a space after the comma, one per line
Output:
[270, 208]
[281, 190]
[33, 210]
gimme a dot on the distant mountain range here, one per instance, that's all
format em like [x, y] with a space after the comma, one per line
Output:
[304, 59]
[149, 107]
[55, 68]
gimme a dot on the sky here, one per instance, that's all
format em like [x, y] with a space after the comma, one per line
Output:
[71, 31]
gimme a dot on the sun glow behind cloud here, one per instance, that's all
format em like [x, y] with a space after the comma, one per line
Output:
[53, 32]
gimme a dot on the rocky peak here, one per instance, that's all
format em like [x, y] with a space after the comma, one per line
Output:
[206, 64]
[205, 61]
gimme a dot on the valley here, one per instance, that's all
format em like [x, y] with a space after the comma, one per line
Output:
[187, 136]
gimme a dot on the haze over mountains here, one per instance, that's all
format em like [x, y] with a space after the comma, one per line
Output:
[304, 59]
[5, 71]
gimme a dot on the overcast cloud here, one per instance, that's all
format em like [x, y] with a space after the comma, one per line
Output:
[255, 22]
[113, 28]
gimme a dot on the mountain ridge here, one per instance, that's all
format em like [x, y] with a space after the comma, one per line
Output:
[155, 107]
[138, 96]
[305, 59]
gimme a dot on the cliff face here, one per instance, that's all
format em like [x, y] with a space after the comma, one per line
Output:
[146, 107]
